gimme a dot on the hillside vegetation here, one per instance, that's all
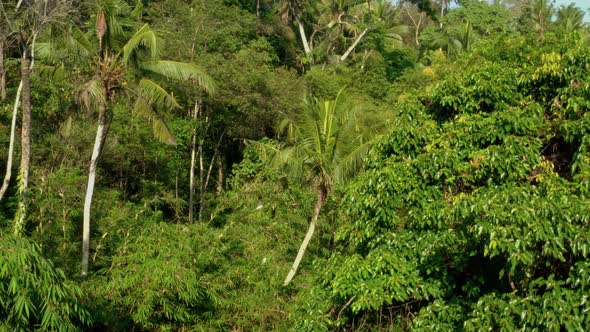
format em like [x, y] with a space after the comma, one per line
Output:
[294, 165]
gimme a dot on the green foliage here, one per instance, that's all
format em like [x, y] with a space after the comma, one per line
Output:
[34, 294]
[470, 223]
[471, 213]
[487, 19]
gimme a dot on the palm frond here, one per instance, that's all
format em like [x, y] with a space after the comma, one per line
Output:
[154, 94]
[161, 131]
[183, 72]
[265, 151]
[352, 162]
[91, 94]
[144, 37]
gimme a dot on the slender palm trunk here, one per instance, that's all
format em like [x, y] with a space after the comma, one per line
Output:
[25, 161]
[2, 73]
[8, 174]
[322, 195]
[100, 133]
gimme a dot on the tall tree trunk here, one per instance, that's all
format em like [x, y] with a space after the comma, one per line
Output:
[100, 133]
[17, 101]
[8, 174]
[25, 161]
[352, 47]
[257, 8]
[2, 73]
[220, 175]
[306, 47]
[322, 195]
[191, 199]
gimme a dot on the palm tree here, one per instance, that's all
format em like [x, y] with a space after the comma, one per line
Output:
[570, 18]
[322, 148]
[539, 13]
[119, 68]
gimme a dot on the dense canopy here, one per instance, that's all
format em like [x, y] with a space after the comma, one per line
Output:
[305, 165]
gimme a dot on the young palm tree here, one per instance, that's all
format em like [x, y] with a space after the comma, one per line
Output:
[322, 148]
[119, 68]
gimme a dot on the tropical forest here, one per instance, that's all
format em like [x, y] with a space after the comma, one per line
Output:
[295, 165]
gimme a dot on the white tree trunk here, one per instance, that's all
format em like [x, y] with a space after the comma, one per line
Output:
[306, 47]
[352, 47]
[8, 174]
[320, 202]
[100, 132]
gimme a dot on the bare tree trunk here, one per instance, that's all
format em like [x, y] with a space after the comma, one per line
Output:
[202, 187]
[352, 47]
[2, 73]
[257, 8]
[443, 5]
[220, 175]
[322, 195]
[306, 47]
[100, 133]
[8, 174]
[416, 25]
[205, 183]
[25, 161]
[191, 199]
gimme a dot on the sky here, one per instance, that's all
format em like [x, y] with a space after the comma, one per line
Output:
[584, 4]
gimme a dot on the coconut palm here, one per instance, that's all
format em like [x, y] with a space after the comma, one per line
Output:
[570, 18]
[323, 147]
[120, 68]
